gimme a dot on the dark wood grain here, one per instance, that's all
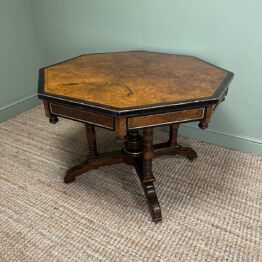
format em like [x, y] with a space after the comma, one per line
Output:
[91, 140]
[149, 190]
[166, 118]
[53, 119]
[129, 79]
[207, 117]
[127, 91]
[133, 145]
[81, 115]
[47, 109]
[103, 159]
[172, 142]
[124, 83]
[147, 155]
[120, 127]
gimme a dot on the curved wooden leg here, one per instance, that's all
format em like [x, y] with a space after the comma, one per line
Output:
[149, 190]
[75, 171]
[93, 163]
[144, 169]
[152, 202]
[93, 160]
[189, 152]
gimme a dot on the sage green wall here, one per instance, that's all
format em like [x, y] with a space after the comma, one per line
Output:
[224, 32]
[67, 28]
[19, 58]
[227, 33]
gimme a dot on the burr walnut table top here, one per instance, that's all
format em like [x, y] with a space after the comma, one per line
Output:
[128, 91]
[119, 83]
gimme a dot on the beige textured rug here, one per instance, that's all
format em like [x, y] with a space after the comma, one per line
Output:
[211, 207]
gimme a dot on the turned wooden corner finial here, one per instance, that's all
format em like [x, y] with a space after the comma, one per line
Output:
[203, 124]
[53, 119]
[207, 117]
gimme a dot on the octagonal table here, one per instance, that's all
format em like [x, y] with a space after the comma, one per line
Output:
[128, 91]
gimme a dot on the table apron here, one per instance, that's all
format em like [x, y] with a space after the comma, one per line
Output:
[82, 115]
[122, 124]
[166, 118]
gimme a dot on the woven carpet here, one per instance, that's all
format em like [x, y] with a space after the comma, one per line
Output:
[211, 207]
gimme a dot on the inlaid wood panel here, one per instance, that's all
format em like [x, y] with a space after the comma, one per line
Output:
[133, 79]
[166, 118]
[81, 115]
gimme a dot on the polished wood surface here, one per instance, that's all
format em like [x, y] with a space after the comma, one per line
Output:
[128, 91]
[166, 118]
[82, 115]
[121, 124]
[91, 140]
[203, 124]
[131, 79]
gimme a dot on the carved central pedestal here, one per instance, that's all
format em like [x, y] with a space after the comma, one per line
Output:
[138, 151]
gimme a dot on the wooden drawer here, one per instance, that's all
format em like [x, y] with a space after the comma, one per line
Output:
[82, 115]
[166, 118]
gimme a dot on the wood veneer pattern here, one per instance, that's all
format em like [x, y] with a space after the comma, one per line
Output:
[131, 79]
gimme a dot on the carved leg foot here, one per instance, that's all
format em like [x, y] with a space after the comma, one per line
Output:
[152, 202]
[183, 151]
[163, 149]
[190, 153]
[143, 167]
[149, 190]
[68, 179]
[75, 171]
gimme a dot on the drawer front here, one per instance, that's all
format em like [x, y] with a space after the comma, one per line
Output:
[82, 115]
[166, 118]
